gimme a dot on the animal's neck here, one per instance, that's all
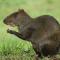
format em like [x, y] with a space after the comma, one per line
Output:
[26, 18]
[26, 21]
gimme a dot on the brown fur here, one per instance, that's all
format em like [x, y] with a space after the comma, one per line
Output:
[43, 32]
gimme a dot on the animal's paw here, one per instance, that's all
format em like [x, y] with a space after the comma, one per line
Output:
[10, 31]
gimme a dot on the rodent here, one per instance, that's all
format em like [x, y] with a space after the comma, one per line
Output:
[43, 31]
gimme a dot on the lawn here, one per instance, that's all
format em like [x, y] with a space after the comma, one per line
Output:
[11, 47]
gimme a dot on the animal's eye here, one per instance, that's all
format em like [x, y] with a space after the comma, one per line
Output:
[10, 21]
[31, 29]
[15, 16]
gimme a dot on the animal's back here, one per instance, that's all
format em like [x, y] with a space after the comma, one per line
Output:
[45, 25]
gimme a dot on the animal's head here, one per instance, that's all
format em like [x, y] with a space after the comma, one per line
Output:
[17, 18]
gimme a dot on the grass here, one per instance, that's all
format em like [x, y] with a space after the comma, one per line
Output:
[12, 47]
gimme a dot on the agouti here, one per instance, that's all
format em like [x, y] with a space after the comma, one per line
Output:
[43, 31]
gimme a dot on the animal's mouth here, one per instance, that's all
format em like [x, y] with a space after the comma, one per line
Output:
[10, 27]
[11, 24]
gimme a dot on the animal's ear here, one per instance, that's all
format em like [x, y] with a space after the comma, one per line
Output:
[21, 10]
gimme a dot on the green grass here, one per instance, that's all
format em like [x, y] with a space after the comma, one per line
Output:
[10, 45]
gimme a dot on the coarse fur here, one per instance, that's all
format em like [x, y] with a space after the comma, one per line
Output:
[43, 31]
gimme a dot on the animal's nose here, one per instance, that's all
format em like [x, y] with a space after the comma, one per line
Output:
[4, 21]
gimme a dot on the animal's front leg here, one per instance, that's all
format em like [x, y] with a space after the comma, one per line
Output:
[16, 33]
